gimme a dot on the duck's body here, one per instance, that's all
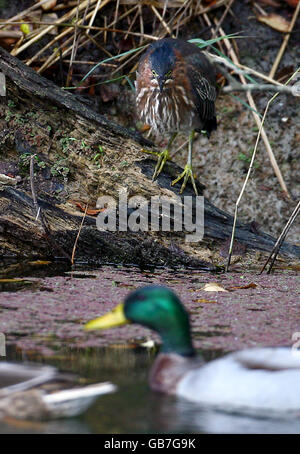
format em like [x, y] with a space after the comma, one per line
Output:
[263, 381]
[260, 381]
[38, 392]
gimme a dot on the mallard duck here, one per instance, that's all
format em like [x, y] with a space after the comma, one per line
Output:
[37, 392]
[255, 381]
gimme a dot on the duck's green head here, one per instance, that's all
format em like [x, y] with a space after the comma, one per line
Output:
[157, 308]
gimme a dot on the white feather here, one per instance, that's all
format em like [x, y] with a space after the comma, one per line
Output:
[256, 381]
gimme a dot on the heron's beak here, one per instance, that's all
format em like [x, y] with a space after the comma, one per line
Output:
[161, 83]
[114, 318]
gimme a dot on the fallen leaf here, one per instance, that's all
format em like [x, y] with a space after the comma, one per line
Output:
[251, 285]
[7, 180]
[213, 287]
[39, 262]
[90, 211]
[7, 42]
[202, 300]
[9, 281]
[275, 21]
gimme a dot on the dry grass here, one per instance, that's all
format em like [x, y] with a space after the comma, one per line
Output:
[124, 20]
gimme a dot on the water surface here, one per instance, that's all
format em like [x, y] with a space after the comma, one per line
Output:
[134, 408]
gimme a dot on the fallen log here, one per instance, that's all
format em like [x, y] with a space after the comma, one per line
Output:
[80, 156]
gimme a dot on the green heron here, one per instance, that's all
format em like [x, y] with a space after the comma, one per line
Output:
[176, 92]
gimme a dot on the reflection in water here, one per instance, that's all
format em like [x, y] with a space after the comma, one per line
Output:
[188, 417]
[134, 408]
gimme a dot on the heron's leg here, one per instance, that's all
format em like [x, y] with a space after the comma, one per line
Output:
[188, 170]
[156, 153]
[163, 157]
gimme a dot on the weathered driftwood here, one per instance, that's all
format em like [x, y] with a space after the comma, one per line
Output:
[81, 156]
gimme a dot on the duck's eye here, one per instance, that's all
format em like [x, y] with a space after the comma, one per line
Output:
[154, 73]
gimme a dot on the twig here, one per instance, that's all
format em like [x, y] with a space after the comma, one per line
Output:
[284, 42]
[69, 5]
[70, 29]
[213, 5]
[281, 239]
[141, 23]
[78, 234]
[94, 15]
[257, 73]
[46, 30]
[179, 148]
[23, 13]
[260, 87]
[56, 55]
[75, 44]
[249, 171]
[31, 173]
[116, 19]
[10, 34]
[162, 21]
[222, 18]
[257, 120]
[101, 30]
[132, 23]
[238, 68]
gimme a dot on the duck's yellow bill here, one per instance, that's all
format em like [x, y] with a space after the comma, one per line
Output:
[114, 318]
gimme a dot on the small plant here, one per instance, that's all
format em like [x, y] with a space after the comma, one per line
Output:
[65, 142]
[8, 116]
[11, 103]
[19, 119]
[97, 156]
[60, 169]
[24, 162]
[31, 114]
[83, 145]
[247, 158]
[42, 164]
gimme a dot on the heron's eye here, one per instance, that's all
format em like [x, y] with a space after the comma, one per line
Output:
[154, 73]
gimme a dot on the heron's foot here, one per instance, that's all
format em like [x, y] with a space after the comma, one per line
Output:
[162, 158]
[186, 174]
[150, 152]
